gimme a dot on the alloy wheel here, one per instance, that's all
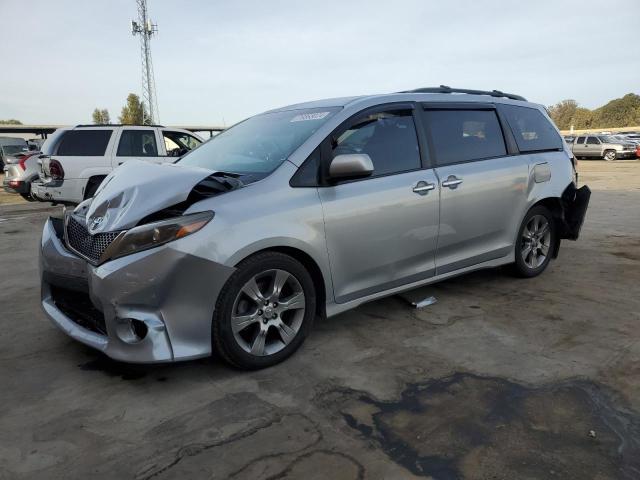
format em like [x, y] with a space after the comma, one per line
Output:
[268, 312]
[536, 240]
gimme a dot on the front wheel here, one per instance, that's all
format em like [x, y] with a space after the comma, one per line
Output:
[264, 311]
[610, 155]
[536, 242]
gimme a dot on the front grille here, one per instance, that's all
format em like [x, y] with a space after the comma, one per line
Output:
[91, 246]
[79, 308]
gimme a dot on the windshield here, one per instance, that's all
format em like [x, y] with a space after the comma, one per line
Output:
[259, 144]
[609, 139]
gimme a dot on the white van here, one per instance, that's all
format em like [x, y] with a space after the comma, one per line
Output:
[75, 160]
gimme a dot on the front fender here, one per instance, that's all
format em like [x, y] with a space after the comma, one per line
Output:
[322, 261]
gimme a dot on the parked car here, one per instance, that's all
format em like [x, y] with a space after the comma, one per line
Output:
[626, 139]
[10, 146]
[20, 170]
[79, 158]
[603, 146]
[304, 211]
[569, 139]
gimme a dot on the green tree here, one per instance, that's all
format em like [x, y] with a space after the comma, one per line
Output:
[562, 113]
[11, 121]
[582, 118]
[621, 112]
[134, 111]
[101, 117]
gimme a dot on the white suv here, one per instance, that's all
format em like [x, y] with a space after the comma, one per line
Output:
[76, 160]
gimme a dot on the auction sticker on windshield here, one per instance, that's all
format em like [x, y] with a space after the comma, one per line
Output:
[309, 116]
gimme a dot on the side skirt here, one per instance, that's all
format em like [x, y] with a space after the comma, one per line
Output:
[337, 308]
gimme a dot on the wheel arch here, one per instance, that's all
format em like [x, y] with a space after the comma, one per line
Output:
[554, 205]
[312, 266]
[92, 180]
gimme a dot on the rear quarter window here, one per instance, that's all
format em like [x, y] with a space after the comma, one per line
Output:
[532, 130]
[89, 143]
[465, 135]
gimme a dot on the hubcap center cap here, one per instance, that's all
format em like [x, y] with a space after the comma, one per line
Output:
[268, 311]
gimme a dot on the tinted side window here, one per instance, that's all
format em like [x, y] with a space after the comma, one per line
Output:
[580, 140]
[389, 138]
[593, 141]
[532, 130]
[137, 143]
[84, 142]
[463, 135]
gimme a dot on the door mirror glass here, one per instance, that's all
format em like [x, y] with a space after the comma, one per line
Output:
[351, 165]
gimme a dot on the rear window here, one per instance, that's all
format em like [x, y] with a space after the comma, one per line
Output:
[532, 130]
[580, 139]
[137, 143]
[84, 143]
[465, 135]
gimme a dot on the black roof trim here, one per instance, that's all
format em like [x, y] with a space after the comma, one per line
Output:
[114, 125]
[446, 89]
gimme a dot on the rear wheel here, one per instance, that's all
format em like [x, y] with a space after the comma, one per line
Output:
[536, 242]
[610, 155]
[27, 197]
[264, 312]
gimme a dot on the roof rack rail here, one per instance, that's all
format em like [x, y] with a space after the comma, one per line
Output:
[115, 125]
[446, 89]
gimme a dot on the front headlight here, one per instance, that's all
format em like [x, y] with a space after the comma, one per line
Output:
[155, 234]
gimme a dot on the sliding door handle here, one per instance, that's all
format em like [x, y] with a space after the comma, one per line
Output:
[452, 182]
[422, 187]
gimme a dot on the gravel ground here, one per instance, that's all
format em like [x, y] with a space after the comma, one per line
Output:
[501, 378]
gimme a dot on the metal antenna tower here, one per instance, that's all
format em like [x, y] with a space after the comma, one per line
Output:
[146, 29]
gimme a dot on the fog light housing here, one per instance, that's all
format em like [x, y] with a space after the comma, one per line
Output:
[130, 330]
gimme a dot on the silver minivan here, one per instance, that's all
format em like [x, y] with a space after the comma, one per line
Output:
[308, 211]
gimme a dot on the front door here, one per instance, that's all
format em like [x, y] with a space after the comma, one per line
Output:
[593, 147]
[483, 189]
[579, 148]
[381, 231]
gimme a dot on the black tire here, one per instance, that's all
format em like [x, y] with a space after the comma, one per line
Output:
[27, 197]
[610, 155]
[521, 268]
[223, 340]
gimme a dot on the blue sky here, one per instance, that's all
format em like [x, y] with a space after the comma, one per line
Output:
[221, 61]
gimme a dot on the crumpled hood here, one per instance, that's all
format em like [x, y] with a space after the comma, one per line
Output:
[137, 189]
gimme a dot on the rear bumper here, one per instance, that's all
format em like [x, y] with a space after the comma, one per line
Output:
[575, 202]
[173, 293]
[63, 191]
[16, 186]
[16, 180]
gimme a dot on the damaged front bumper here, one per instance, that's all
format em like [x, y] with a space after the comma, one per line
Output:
[152, 306]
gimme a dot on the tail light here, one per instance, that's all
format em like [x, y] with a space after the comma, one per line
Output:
[55, 170]
[24, 158]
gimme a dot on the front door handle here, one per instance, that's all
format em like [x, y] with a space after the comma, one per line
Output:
[452, 182]
[422, 187]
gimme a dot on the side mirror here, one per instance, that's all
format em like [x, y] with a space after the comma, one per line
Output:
[351, 165]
